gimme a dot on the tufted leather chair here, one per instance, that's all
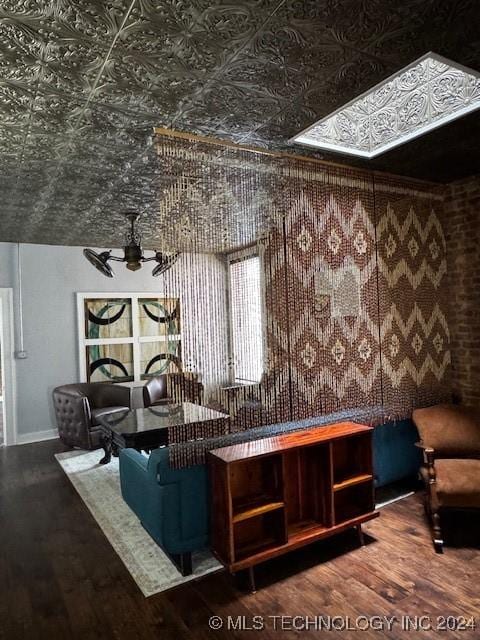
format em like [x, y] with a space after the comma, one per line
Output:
[78, 408]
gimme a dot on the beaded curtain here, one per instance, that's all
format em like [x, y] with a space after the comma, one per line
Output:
[336, 336]
[412, 295]
[332, 279]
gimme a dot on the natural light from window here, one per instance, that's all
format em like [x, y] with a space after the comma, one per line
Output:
[246, 320]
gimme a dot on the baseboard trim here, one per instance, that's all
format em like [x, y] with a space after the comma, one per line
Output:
[36, 436]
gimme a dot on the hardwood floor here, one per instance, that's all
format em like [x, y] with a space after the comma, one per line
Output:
[60, 578]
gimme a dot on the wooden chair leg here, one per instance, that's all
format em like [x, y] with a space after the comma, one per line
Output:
[437, 532]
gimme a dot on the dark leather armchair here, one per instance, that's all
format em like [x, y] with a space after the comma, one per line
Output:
[172, 388]
[78, 408]
[450, 439]
[155, 391]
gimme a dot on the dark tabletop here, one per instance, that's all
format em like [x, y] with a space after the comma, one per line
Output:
[159, 417]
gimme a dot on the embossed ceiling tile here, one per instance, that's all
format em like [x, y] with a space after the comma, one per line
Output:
[402, 107]
[111, 121]
[65, 47]
[256, 75]
[11, 141]
[27, 7]
[181, 41]
[193, 119]
[36, 145]
[412, 111]
[365, 24]
[329, 37]
[347, 79]
[448, 91]
[254, 139]
[155, 107]
[15, 105]
[73, 68]
[20, 51]
[257, 106]
[292, 118]
[415, 27]
[94, 20]
[37, 67]
[53, 111]
[302, 48]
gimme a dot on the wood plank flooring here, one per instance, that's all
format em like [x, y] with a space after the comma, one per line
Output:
[60, 578]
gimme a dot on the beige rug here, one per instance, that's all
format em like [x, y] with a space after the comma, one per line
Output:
[99, 487]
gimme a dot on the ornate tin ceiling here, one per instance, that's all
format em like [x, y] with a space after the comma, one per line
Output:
[83, 83]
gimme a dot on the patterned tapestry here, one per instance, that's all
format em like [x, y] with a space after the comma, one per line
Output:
[354, 268]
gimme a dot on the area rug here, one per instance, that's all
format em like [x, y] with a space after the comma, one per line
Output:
[99, 487]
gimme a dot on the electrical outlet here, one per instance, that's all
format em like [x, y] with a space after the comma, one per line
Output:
[21, 355]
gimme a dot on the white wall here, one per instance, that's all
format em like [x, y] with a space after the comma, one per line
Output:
[52, 275]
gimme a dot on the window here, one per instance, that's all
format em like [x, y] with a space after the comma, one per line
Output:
[246, 319]
[126, 338]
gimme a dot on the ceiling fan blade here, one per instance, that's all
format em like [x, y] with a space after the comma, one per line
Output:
[164, 263]
[99, 261]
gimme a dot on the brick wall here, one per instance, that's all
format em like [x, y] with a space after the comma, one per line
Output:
[462, 229]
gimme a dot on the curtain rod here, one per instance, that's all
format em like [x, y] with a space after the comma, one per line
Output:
[285, 154]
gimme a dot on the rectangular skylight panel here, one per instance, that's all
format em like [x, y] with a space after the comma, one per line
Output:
[423, 96]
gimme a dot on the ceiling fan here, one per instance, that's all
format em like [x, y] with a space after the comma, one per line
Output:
[133, 254]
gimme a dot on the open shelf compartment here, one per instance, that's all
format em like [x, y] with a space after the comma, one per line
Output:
[353, 501]
[259, 533]
[256, 487]
[352, 461]
[308, 490]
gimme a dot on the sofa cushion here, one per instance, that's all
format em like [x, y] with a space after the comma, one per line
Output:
[450, 430]
[458, 482]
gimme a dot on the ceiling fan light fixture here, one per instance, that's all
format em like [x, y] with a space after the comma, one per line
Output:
[133, 254]
[133, 257]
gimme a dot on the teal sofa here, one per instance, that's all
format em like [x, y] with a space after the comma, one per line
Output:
[172, 504]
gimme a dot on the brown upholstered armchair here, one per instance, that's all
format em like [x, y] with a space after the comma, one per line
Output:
[78, 408]
[450, 439]
[172, 388]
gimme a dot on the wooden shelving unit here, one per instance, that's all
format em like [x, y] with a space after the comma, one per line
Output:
[273, 495]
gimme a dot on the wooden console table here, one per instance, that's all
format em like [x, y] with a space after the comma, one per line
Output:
[276, 494]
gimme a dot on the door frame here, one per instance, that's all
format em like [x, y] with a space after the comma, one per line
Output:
[8, 368]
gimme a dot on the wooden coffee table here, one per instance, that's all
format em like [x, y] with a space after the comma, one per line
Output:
[147, 429]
